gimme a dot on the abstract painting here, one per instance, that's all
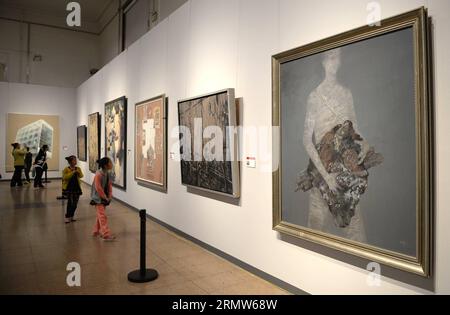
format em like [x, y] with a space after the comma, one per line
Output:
[116, 139]
[353, 143]
[33, 131]
[208, 143]
[150, 157]
[82, 143]
[94, 141]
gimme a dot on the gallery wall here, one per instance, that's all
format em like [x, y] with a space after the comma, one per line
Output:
[42, 100]
[206, 46]
[67, 56]
[109, 41]
[138, 23]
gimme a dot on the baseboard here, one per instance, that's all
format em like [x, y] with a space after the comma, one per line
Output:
[264, 275]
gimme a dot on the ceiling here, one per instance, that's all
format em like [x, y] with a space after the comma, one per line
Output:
[91, 10]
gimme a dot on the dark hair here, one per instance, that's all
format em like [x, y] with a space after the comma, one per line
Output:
[14, 145]
[103, 162]
[45, 147]
[69, 159]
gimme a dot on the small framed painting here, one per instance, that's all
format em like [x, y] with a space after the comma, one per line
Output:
[208, 143]
[116, 139]
[94, 141]
[150, 156]
[81, 143]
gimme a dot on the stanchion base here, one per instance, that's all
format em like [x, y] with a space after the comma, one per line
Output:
[138, 277]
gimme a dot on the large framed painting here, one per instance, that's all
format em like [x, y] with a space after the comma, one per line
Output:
[116, 139]
[150, 156]
[82, 143]
[33, 131]
[208, 143]
[355, 143]
[94, 141]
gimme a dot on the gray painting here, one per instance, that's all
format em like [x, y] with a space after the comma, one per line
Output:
[348, 142]
[202, 165]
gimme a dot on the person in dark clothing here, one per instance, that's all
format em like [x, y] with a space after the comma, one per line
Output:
[71, 186]
[40, 164]
[28, 163]
[19, 155]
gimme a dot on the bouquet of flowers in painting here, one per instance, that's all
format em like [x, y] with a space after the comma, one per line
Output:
[339, 152]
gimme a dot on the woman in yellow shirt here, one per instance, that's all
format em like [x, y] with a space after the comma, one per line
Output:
[72, 187]
[19, 163]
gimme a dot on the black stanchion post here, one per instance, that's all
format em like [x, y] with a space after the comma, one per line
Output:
[143, 274]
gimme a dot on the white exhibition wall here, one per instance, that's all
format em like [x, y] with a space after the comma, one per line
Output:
[64, 65]
[210, 45]
[41, 100]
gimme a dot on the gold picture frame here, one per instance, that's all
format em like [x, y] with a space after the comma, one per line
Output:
[94, 141]
[82, 143]
[421, 262]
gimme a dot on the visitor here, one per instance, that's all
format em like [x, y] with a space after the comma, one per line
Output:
[101, 195]
[19, 162]
[39, 165]
[28, 164]
[71, 186]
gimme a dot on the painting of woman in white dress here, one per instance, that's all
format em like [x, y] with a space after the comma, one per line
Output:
[348, 166]
[338, 174]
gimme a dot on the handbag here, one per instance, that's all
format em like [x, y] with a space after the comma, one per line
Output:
[33, 171]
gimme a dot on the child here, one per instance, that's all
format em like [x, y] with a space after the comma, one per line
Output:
[71, 186]
[101, 195]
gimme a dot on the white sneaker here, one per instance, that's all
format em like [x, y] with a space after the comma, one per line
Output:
[109, 238]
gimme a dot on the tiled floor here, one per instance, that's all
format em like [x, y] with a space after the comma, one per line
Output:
[36, 246]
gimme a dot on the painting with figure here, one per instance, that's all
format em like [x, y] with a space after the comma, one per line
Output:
[94, 141]
[82, 143]
[33, 131]
[347, 109]
[340, 159]
[207, 143]
[150, 143]
[116, 139]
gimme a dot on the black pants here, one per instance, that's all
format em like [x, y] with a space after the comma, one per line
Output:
[17, 177]
[38, 177]
[72, 203]
[27, 173]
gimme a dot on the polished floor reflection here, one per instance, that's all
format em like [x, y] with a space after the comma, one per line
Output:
[36, 246]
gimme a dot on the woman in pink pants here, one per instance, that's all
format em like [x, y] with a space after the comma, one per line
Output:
[101, 195]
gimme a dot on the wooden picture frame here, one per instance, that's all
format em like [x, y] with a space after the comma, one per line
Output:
[150, 167]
